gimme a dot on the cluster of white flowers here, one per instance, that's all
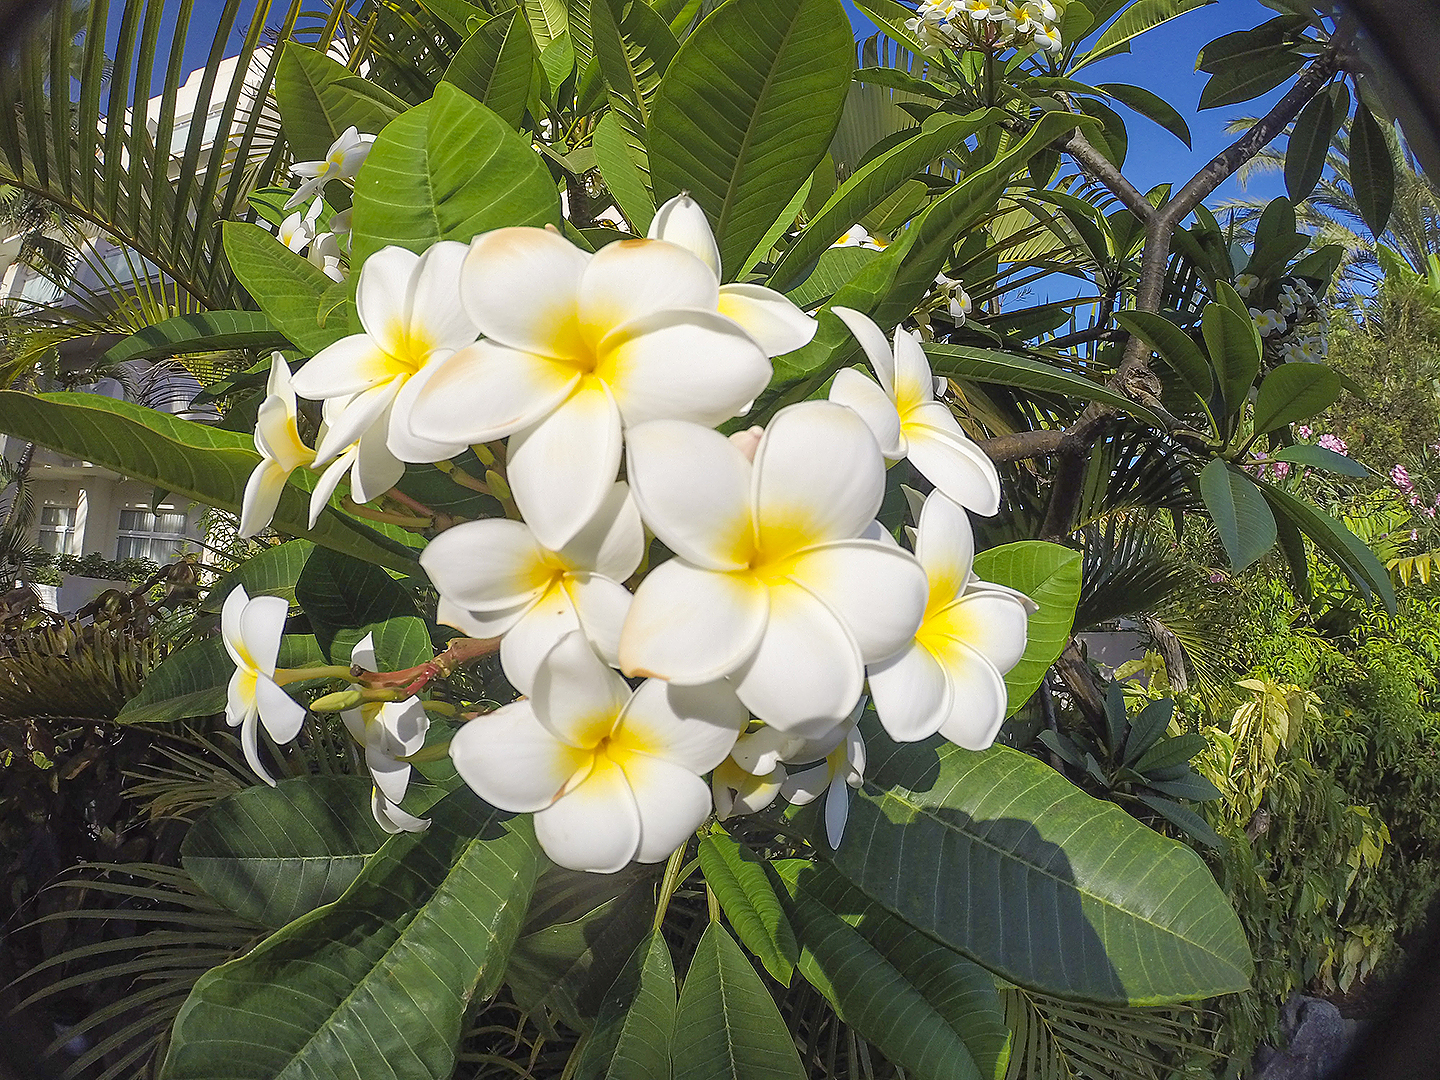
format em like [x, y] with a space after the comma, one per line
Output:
[749, 648]
[992, 25]
[957, 300]
[298, 232]
[1296, 328]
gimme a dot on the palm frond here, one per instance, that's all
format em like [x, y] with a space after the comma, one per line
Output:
[72, 671]
[1129, 567]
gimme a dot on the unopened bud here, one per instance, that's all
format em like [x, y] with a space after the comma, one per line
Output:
[681, 222]
[338, 701]
[497, 485]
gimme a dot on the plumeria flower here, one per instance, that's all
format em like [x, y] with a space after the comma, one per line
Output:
[324, 255]
[342, 161]
[1267, 322]
[908, 422]
[776, 324]
[251, 630]
[857, 236]
[409, 306]
[754, 774]
[389, 731]
[372, 468]
[1289, 300]
[1048, 38]
[950, 678]
[576, 348]
[277, 440]
[738, 792]
[610, 775]
[1245, 284]
[842, 769]
[772, 583]
[495, 577]
[298, 229]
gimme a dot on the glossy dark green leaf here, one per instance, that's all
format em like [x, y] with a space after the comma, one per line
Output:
[1317, 457]
[1183, 818]
[273, 572]
[319, 98]
[1309, 145]
[1341, 545]
[1372, 170]
[195, 461]
[1135, 20]
[622, 175]
[287, 286]
[1245, 79]
[835, 267]
[632, 1035]
[1151, 106]
[272, 854]
[191, 682]
[1169, 752]
[1040, 880]
[1050, 575]
[1243, 520]
[1294, 391]
[1252, 44]
[204, 331]
[726, 1024]
[1175, 346]
[634, 46]
[496, 64]
[1147, 726]
[1234, 352]
[740, 883]
[446, 170]
[746, 111]
[347, 599]
[376, 985]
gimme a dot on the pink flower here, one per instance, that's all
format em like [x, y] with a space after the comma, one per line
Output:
[1429, 511]
[1303, 431]
[1402, 478]
[1414, 499]
[1282, 469]
[1414, 535]
[1216, 577]
[1333, 442]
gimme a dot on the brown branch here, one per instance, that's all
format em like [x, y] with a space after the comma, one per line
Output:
[1099, 167]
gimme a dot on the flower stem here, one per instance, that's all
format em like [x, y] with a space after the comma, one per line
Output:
[668, 884]
[403, 520]
[463, 478]
[285, 676]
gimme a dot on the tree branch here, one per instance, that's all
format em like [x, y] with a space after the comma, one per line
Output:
[1099, 167]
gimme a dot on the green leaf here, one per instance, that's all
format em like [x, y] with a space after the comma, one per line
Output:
[287, 286]
[1149, 724]
[1168, 753]
[632, 1035]
[866, 989]
[633, 52]
[1135, 20]
[319, 98]
[835, 267]
[272, 854]
[1372, 170]
[1247, 79]
[1050, 575]
[1317, 457]
[1175, 346]
[1343, 547]
[1309, 145]
[447, 170]
[746, 111]
[726, 1024]
[346, 599]
[1183, 818]
[273, 572]
[192, 460]
[192, 681]
[1040, 878]
[1151, 106]
[204, 331]
[548, 19]
[376, 985]
[891, 17]
[1009, 369]
[871, 184]
[622, 176]
[1234, 352]
[1247, 45]
[1245, 524]
[1294, 392]
[496, 65]
[746, 896]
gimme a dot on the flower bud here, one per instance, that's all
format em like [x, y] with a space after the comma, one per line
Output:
[681, 222]
[339, 701]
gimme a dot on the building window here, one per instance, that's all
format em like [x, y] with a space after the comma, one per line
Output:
[146, 534]
[57, 529]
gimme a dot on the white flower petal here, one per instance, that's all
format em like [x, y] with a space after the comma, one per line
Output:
[383, 298]
[818, 477]
[436, 315]
[633, 279]
[872, 342]
[771, 318]
[911, 693]
[692, 727]
[866, 397]
[390, 777]
[487, 624]
[691, 625]
[363, 653]
[262, 624]
[955, 465]
[401, 442]
[561, 469]
[914, 384]
[977, 698]
[250, 747]
[601, 605]
[837, 810]
[672, 801]
[281, 714]
[800, 788]
[391, 818]
[877, 590]
[484, 392]
[576, 694]
[596, 826]
[347, 366]
[521, 287]
[681, 221]
[693, 489]
[945, 546]
[403, 724]
[261, 497]
[376, 469]
[487, 564]
[682, 365]
[240, 697]
[367, 411]
[511, 761]
[806, 672]
[232, 613]
[994, 624]
[760, 751]
[612, 542]
[329, 481]
[534, 634]
[738, 792]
